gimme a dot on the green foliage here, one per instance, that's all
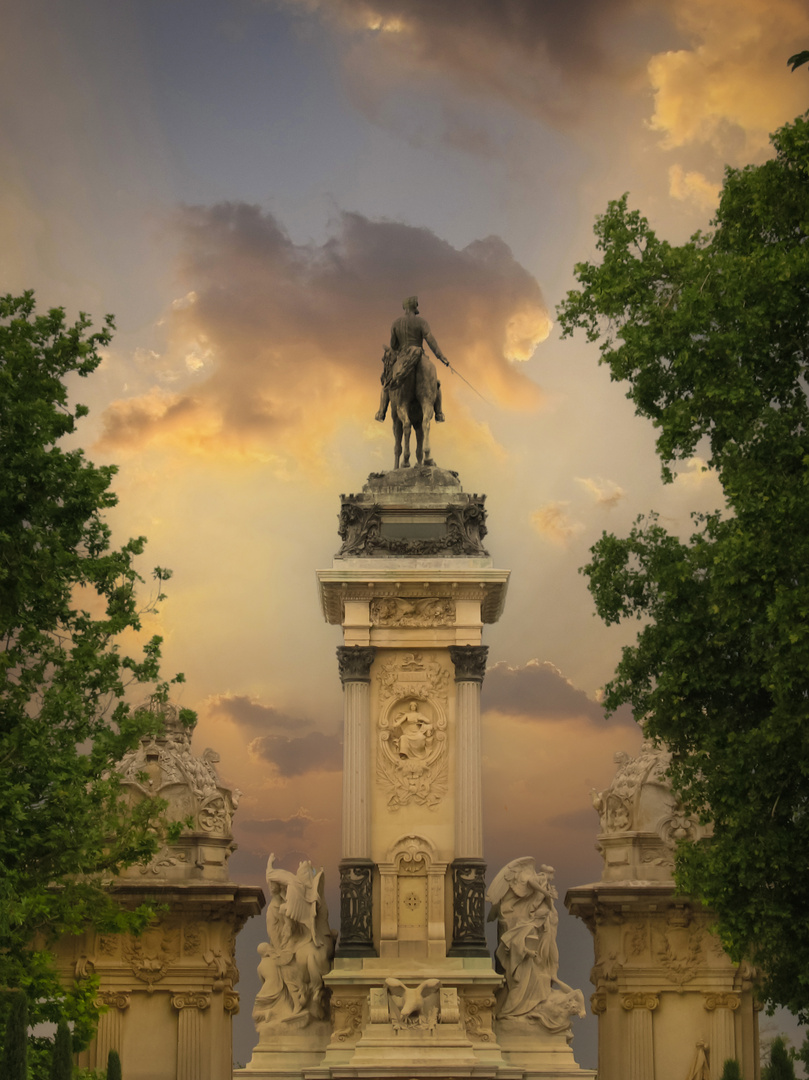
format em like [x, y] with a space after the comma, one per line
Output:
[780, 1065]
[731, 1070]
[62, 1058]
[14, 1056]
[66, 597]
[113, 1066]
[799, 59]
[712, 340]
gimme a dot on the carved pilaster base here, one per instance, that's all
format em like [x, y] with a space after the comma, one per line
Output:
[468, 918]
[356, 908]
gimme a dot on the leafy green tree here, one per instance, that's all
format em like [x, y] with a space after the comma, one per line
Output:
[113, 1066]
[66, 597]
[14, 1056]
[712, 338]
[780, 1065]
[62, 1057]
[731, 1070]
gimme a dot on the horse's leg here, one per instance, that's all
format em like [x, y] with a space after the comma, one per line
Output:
[420, 443]
[397, 440]
[425, 428]
[426, 391]
[406, 462]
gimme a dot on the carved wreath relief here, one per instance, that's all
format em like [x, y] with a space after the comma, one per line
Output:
[413, 753]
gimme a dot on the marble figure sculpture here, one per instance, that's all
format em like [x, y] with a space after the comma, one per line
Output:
[299, 951]
[522, 900]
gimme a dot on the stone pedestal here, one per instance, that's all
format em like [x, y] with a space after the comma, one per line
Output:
[170, 993]
[413, 987]
[665, 990]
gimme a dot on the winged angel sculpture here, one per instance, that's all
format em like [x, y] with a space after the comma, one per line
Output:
[299, 952]
[522, 900]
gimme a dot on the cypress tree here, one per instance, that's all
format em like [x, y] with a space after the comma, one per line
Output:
[780, 1066]
[15, 1051]
[731, 1070]
[62, 1060]
[113, 1066]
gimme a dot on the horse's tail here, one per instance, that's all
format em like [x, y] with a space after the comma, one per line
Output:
[415, 413]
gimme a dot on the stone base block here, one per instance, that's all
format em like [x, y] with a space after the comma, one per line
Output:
[537, 1053]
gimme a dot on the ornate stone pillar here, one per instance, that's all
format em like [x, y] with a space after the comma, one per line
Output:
[468, 867]
[640, 1040]
[110, 1026]
[356, 867]
[193, 1037]
[723, 1037]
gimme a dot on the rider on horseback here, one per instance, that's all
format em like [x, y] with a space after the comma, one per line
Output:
[409, 331]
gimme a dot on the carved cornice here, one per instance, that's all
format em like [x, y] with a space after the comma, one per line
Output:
[191, 1000]
[640, 1001]
[469, 661]
[722, 1001]
[354, 662]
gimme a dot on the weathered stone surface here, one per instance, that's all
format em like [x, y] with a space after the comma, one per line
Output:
[170, 992]
[666, 995]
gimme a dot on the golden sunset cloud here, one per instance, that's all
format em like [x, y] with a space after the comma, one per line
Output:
[273, 346]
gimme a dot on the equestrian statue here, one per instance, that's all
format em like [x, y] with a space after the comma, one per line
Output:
[410, 385]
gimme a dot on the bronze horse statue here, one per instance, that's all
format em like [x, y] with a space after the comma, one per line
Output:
[413, 390]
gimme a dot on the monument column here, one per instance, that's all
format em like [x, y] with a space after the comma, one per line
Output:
[468, 867]
[356, 867]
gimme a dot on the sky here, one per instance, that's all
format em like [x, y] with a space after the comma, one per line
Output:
[251, 187]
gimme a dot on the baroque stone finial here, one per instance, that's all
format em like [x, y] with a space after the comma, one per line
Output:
[469, 661]
[354, 662]
[164, 765]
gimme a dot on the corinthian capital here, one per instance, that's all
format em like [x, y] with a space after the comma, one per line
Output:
[354, 662]
[469, 661]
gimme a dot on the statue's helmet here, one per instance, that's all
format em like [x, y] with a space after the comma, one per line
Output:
[410, 303]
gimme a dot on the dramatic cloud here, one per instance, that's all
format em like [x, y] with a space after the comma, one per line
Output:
[539, 691]
[314, 752]
[605, 492]
[553, 523]
[732, 86]
[289, 828]
[693, 186]
[274, 736]
[279, 344]
[538, 55]
[247, 712]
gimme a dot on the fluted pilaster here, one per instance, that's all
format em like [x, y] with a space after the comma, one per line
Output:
[193, 1038]
[640, 1041]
